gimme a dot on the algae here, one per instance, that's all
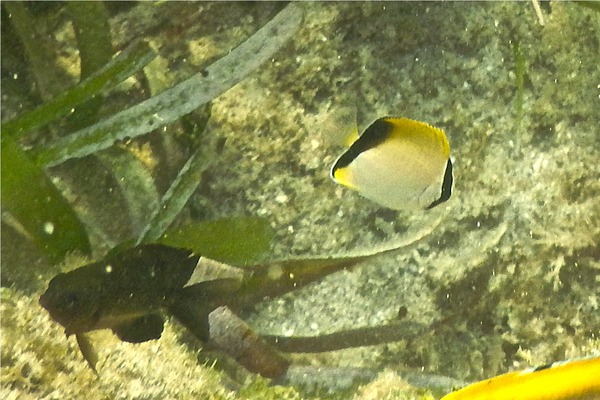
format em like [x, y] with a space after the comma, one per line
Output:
[29, 195]
[518, 241]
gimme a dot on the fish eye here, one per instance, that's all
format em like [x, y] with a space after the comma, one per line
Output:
[71, 299]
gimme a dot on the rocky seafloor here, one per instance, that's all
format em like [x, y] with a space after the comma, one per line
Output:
[511, 262]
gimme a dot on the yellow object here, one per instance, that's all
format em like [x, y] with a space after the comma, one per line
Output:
[566, 380]
[399, 163]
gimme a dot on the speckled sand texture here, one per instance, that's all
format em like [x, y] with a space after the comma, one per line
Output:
[511, 262]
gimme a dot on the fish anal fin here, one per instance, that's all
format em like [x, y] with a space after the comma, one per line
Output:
[195, 302]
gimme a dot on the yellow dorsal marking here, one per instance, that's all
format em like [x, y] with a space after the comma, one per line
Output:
[420, 133]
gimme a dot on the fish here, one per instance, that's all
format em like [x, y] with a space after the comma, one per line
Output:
[399, 163]
[577, 379]
[129, 291]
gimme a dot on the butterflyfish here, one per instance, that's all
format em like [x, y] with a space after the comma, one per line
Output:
[128, 292]
[566, 380]
[399, 163]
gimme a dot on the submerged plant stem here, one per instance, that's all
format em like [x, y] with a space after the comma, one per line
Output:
[520, 74]
[368, 336]
[131, 60]
[38, 54]
[92, 29]
[175, 198]
[183, 98]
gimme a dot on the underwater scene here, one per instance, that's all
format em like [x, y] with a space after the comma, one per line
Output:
[300, 200]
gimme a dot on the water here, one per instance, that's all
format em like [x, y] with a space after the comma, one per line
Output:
[507, 269]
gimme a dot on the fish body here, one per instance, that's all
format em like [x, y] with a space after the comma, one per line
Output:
[128, 292]
[110, 294]
[567, 380]
[399, 163]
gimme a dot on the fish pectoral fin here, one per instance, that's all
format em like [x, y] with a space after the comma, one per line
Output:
[87, 350]
[141, 329]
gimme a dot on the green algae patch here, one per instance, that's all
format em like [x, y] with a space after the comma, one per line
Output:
[520, 77]
[390, 386]
[260, 389]
[30, 197]
[237, 241]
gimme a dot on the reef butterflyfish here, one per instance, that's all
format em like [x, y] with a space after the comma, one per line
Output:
[566, 380]
[399, 163]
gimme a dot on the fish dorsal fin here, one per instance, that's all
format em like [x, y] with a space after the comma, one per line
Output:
[340, 128]
[352, 136]
[349, 121]
[214, 289]
[208, 270]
